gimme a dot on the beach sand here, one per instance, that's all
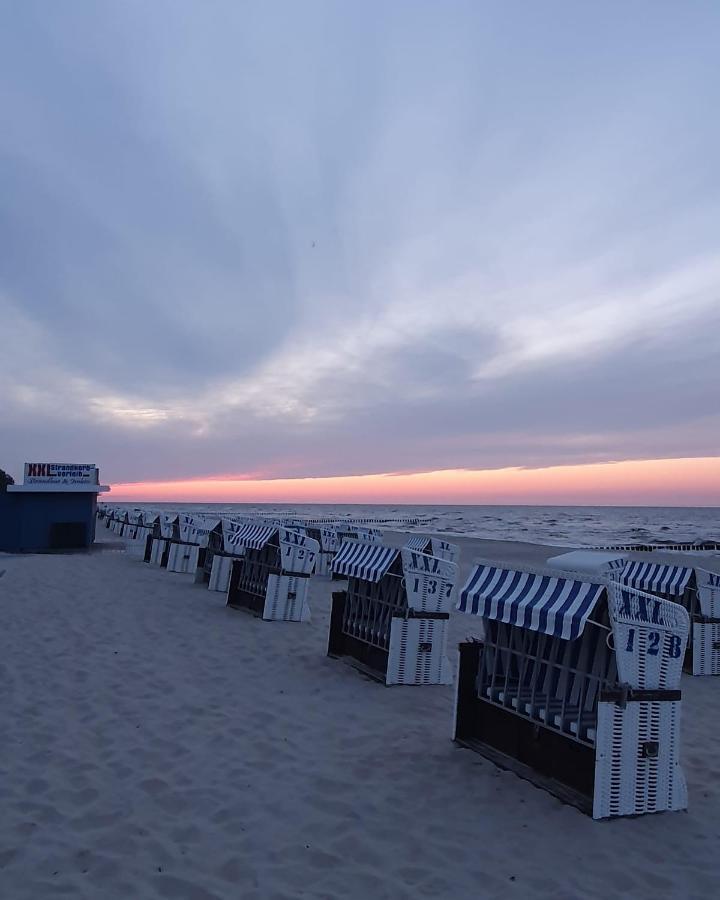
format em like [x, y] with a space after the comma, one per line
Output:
[156, 744]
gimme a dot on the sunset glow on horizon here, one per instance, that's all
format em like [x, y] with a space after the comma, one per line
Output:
[660, 482]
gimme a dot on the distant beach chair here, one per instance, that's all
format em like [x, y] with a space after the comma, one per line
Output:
[326, 537]
[121, 523]
[109, 514]
[706, 625]
[575, 685]
[213, 546]
[166, 528]
[185, 555]
[434, 546]
[326, 541]
[147, 528]
[215, 563]
[391, 622]
[112, 519]
[130, 530]
[271, 578]
[128, 525]
[134, 534]
[695, 589]
[329, 545]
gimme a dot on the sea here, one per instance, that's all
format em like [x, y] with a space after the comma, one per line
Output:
[571, 526]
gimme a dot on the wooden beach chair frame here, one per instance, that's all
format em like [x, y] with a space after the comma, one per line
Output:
[592, 717]
[271, 579]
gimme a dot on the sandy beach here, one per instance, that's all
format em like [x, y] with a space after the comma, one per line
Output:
[156, 744]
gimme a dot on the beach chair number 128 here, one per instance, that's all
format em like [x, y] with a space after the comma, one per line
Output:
[674, 644]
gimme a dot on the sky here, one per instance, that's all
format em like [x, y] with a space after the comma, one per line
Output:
[373, 251]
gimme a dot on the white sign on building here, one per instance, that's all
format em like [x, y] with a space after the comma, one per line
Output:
[61, 473]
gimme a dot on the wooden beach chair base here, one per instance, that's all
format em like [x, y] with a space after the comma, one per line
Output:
[159, 551]
[621, 760]
[277, 598]
[183, 558]
[415, 653]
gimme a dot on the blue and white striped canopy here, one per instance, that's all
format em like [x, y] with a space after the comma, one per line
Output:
[369, 562]
[655, 577]
[253, 536]
[553, 605]
[419, 543]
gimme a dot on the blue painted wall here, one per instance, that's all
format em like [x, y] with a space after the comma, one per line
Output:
[26, 519]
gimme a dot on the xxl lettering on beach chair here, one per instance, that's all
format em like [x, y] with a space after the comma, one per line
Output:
[650, 637]
[429, 581]
[298, 552]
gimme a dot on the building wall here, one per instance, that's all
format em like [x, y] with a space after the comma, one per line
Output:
[26, 520]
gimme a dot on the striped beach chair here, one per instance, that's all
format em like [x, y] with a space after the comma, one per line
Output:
[575, 686]
[698, 591]
[271, 579]
[166, 529]
[391, 622]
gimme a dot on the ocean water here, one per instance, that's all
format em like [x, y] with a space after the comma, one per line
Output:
[572, 526]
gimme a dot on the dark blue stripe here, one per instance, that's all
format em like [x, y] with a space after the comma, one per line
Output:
[487, 595]
[543, 584]
[548, 602]
[490, 573]
[501, 595]
[584, 610]
[467, 591]
[569, 601]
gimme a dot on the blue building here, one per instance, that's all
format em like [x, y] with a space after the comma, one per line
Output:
[54, 509]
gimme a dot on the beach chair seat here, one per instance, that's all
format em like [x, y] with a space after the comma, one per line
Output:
[586, 727]
[502, 693]
[571, 720]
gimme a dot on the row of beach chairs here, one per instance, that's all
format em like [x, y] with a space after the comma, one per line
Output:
[573, 680]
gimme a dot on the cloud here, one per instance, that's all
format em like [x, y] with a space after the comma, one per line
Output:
[314, 240]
